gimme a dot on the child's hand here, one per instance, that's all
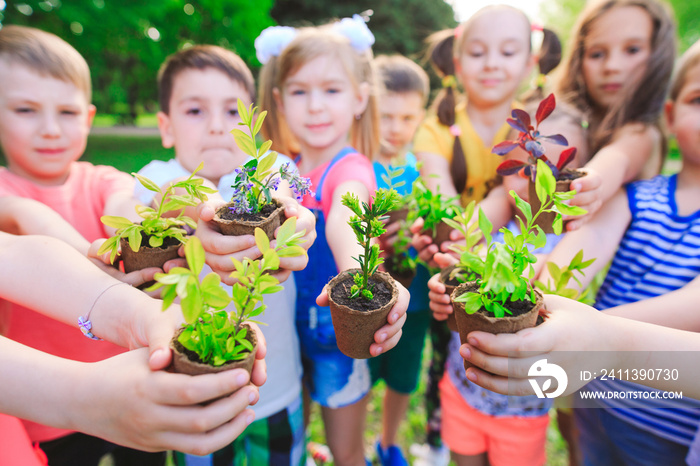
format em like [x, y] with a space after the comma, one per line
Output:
[155, 411]
[135, 278]
[440, 302]
[588, 196]
[387, 336]
[569, 337]
[219, 248]
[425, 246]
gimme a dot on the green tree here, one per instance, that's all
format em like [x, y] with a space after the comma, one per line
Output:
[125, 42]
[688, 19]
[399, 26]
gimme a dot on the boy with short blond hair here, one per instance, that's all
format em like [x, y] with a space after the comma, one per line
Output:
[402, 102]
[45, 118]
[198, 90]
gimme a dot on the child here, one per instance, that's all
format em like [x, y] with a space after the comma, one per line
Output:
[323, 89]
[617, 72]
[44, 122]
[499, 422]
[651, 232]
[490, 56]
[401, 108]
[198, 89]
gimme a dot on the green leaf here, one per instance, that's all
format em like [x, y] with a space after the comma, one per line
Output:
[554, 271]
[244, 142]
[261, 240]
[134, 237]
[523, 206]
[292, 251]
[286, 230]
[191, 304]
[472, 302]
[259, 122]
[267, 162]
[116, 222]
[147, 183]
[272, 261]
[244, 113]
[545, 184]
[557, 225]
[485, 226]
[111, 245]
[585, 264]
[155, 241]
[572, 210]
[264, 147]
[455, 225]
[194, 253]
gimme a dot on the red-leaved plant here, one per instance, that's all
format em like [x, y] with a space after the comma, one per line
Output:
[529, 140]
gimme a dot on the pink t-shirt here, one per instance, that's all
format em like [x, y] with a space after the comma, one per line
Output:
[81, 201]
[352, 167]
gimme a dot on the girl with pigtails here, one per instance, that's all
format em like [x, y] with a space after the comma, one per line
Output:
[320, 86]
[490, 55]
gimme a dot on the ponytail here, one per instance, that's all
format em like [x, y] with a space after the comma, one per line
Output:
[441, 54]
[549, 59]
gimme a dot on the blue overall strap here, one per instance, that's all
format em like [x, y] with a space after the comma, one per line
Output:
[345, 151]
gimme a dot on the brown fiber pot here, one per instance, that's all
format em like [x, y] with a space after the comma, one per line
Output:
[444, 277]
[246, 227]
[354, 330]
[480, 321]
[146, 256]
[545, 220]
[184, 365]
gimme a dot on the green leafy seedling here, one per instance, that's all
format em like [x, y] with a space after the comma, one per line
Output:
[560, 278]
[367, 223]
[468, 251]
[212, 329]
[154, 225]
[507, 268]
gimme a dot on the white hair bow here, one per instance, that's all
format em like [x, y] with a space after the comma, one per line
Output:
[274, 39]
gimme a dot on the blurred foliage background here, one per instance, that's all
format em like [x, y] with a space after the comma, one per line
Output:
[125, 41]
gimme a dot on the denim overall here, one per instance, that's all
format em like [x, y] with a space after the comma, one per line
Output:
[334, 380]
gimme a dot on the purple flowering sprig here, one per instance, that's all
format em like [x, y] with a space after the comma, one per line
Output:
[256, 180]
[251, 195]
[529, 140]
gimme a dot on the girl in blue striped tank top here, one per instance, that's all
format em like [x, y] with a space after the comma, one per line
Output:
[651, 230]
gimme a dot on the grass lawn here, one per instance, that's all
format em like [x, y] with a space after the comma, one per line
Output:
[129, 154]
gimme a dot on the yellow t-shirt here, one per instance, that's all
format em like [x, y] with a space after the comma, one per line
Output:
[434, 137]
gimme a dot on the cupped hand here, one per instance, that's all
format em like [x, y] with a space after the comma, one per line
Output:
[572, 336]
[135, 278]
[220, 248]
[440, 302]
[156, 411]
[588, 196]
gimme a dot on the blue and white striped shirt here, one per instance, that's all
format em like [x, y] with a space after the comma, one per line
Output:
[659, 253]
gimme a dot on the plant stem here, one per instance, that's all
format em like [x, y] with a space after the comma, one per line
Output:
[367, 245]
